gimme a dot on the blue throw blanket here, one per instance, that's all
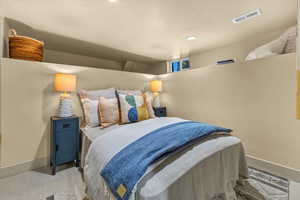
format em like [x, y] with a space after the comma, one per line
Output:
[125, 169]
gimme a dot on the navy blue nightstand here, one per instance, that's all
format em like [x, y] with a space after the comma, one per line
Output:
[160, 112]
[65, 138]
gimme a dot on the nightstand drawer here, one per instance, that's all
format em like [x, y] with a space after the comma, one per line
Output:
[66, 124]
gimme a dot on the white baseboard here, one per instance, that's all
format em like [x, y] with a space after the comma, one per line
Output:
[23, 167]
[274, 168]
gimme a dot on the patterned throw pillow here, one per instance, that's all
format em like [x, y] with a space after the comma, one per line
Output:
[133, 108]
[108, 110]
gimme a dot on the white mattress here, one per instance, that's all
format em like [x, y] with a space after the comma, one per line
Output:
[202, 172]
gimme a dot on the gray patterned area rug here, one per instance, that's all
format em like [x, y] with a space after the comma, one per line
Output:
[263, 186]
[260, 186]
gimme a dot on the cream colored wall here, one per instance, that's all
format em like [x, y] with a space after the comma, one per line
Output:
[132, 66]
[158, 68]
[256, 99]
[238, 50]
[5, 39]
[1, 36]
[1, 55]
[28, 101]
[79, 58]
[155, 68]
[52, 56]
[298, 39]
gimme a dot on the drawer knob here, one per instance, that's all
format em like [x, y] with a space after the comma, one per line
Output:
[66, 125]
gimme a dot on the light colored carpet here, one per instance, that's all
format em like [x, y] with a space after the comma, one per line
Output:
[40, 184]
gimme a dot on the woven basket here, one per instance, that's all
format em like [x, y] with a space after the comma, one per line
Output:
[25, 48]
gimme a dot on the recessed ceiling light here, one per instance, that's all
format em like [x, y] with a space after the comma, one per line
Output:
[113, 1]
[191, 38]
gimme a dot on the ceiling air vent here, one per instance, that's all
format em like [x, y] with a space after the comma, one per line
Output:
[247, 16]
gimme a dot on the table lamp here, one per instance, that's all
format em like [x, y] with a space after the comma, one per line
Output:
[65, 83]
[156, 88]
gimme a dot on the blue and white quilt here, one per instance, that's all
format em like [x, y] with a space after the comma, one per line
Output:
[128, 164]
[126, 168]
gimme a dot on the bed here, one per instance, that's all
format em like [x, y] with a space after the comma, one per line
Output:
[208, 169]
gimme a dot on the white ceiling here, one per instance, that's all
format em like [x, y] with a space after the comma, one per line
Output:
[155, 28]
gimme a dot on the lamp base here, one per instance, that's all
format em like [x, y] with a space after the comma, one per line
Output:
[156, 101]
[65, 107]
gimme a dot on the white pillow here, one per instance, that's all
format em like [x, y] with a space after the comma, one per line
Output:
[149, 103]
[91, 114]
[275, 47]
[90, 104]
[290, 35]
[261, 53]
[286, 43]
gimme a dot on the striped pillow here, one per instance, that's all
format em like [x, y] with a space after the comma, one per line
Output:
[108, 110]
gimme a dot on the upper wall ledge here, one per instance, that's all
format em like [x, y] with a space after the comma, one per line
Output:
[63, 68]
[278, 57]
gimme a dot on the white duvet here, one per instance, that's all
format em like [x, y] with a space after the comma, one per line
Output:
[205, 171]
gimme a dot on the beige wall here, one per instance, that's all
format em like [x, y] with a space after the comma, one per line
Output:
[52, 56]
[1, 36]
[238, 50]
[132, 66]
[256, 99]
[5, 39]
[28, 101]
[298, 39]
[92, 58]
[1, 55]
[59, 57]
[155, 68]
[158, 68]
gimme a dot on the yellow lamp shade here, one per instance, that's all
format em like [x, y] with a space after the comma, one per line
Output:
[65, 82]
[156, 86]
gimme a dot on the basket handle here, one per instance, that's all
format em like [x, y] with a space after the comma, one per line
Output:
[12, 33]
